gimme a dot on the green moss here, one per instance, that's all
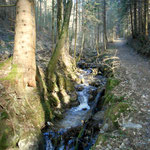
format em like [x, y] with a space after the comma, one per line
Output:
[111, 98]
[69, 85]
[3, 115]
[2, 64]
[7, 138]
[12, 75]
[115, 111]
[111, 83]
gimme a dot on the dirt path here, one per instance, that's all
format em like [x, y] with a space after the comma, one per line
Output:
[134, 72]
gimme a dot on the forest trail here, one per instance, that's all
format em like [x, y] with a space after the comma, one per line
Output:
[134, 73]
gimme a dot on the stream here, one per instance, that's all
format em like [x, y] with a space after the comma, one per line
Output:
[75, 130]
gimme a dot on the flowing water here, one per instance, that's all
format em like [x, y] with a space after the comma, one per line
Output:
[74, 118]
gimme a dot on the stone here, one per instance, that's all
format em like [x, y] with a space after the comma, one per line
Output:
[91, 98]
[101, 131]
[29, 143]
[73, 97]
[79, 87]
[99, 116]
[1, 86]
[131, 125]
[105, 127]
[74, 103]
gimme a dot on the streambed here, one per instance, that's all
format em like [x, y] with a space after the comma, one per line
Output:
[77, 130]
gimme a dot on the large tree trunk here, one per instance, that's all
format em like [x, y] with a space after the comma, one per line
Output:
[25, 41]
[53, 23]
[60, 64]
[59, 16]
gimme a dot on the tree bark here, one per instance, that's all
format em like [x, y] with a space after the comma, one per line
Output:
[131, 15]
[61, 41]
[135, 18]
[25, 41]
[53, 23]
[104, 25]
[60, 8]
[146, 17]
[76, 28]
[139, 18]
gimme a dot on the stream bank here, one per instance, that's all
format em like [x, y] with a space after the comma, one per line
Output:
[79, 127]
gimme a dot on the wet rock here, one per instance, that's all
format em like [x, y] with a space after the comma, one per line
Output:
[91, 98]
[84, 109]
[73, 97]
[57, 112]
[74, 103]
[96, 83]
[99, 116]
[50, 123]
[79, 87]
[92, 91]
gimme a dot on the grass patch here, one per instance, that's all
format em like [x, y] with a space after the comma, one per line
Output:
[111, 83]
[114, 112]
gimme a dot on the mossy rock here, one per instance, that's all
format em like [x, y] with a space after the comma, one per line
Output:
[114, 112]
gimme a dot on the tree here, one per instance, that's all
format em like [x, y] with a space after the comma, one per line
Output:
[146, 2]
[60, 65]
[76, 28]
[104, 25]
[53, 23]
[135, 18]
[25, 41]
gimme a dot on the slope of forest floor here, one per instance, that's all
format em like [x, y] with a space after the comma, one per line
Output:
[133, 71]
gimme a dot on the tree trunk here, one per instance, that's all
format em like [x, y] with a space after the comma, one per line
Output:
[76, 28]
[40, 18]
[25, 41]
[104, 25]
[135, 18]
[146, 17]
[53, 23]
[98, 33]
[59, 16]
[61, 41]
[131, 15]
[140, 18]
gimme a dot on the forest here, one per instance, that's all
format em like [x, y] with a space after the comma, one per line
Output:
[74, 75]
